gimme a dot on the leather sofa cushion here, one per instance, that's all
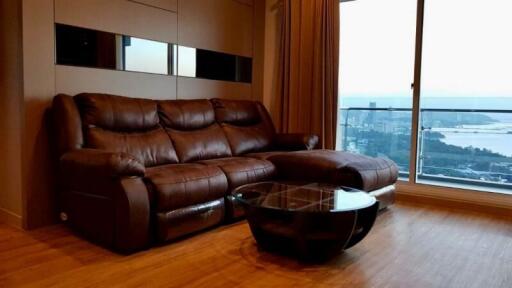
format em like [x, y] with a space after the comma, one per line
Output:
[337, 167]
[236, 112]
[247, 139]
[67, 124]
[200, 144]
[150, 147]
[241, 170]
[181, 185]
[117, 113]
[246, 124]
[186, 114]
[264, 155]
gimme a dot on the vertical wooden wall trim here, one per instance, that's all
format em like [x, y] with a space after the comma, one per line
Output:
[11, 95]
[258, 50]
[271, 61]
[39, 89]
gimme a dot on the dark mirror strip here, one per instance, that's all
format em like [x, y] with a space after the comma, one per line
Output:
[77, 46]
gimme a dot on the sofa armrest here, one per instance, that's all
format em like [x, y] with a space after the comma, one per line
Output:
[104, 198]
[296, 141]
[102, 163]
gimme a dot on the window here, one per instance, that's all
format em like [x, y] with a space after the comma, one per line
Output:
[466, 96]
[376, 70]
[465, 111]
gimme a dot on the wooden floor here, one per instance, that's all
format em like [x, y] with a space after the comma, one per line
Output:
[411, 245]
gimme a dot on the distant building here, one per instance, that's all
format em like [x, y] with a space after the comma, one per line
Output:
[371, 115]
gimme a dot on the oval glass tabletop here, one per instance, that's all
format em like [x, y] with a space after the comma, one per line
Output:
[307, 197]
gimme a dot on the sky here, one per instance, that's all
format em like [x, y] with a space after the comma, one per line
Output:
[467, 48]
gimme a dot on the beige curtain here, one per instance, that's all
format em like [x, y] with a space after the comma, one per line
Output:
[309, 68]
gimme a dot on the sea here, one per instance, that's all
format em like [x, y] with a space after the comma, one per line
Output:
[496, 137]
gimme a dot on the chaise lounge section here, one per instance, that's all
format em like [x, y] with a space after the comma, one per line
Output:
[139, 172]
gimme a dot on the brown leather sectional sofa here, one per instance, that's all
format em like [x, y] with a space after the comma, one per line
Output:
[137, 172]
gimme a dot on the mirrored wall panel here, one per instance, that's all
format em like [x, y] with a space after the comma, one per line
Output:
[91, 48]
[143, 55]
[207, 64]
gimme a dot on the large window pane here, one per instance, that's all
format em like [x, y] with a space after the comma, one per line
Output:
[376, 70]
[466, 75]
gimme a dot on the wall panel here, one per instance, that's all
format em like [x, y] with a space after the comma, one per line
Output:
[70, 80]
[170, 5]
[11, 102]
[219, 25]
[39, 89]
[119, 16]
[193, 88]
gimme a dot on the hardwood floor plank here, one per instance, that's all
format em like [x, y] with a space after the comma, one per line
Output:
[411, 245]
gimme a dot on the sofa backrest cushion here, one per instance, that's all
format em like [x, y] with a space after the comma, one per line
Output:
[247, 139]
[186, 114]
[200, 144]
[117, 113]
[247, 125]
[236, 112]
[193, 130]
[151, 147]
[123, 124]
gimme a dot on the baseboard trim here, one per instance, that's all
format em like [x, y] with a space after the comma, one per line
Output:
[455, 198]
[10, 218]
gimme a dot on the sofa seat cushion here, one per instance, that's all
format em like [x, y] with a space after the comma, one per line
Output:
[337, 167]
[264, 155]
[181, 185]
[243, 170]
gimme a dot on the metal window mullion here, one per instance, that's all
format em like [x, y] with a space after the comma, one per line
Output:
[416, 93]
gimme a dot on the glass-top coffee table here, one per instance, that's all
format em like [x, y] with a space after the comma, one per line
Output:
[311, 220]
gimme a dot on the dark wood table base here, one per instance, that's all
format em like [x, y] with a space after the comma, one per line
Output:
[310, 236]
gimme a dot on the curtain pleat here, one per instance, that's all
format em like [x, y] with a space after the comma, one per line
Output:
[309, 69]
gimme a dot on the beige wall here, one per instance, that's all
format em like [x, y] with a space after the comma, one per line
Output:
[170, 5]
[216, 24]
[191, 88]
[70, 80]
[10, 111]
[219, 25]
[119, 16]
